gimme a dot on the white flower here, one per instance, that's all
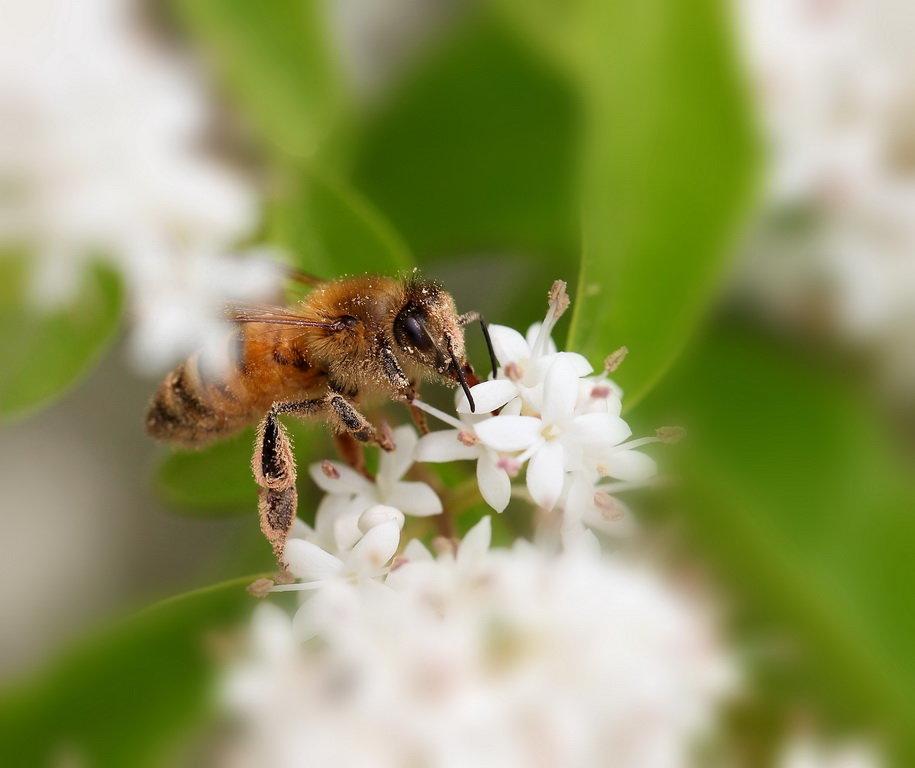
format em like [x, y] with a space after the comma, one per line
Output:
[349, 494]
[100, 157]
[482, 657]
[379, 536]
[556, 440]
[462, 443]
[523, 363]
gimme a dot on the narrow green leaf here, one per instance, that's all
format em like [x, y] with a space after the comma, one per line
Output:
[793, 490]
[332, 230]
[667, 170]
[274, 57]
[127, 696]
[43, 353]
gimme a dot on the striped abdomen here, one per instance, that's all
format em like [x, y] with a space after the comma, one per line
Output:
[191, 409]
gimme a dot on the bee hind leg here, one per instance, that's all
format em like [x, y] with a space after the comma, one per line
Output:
[273, 464]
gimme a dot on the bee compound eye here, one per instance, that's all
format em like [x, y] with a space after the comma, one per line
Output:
[415, 332]
[410, 331]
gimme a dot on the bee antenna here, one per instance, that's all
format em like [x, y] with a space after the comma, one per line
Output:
[493, 362]
[460, 377]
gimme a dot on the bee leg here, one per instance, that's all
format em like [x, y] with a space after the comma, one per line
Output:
[273, 464]
[351, 451]
[418, 416]
[348, 419]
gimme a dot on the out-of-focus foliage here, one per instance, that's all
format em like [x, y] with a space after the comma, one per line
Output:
[276, 62]
[126, 696]
[667, 163]
[43, 352]
[475, 150]
[331, 230]
[790, 484]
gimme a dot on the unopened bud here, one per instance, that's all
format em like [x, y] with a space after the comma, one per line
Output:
[378, 514]
[467, 438]
[260, 588]
[330, 470]
[670, 434]
[558, 298]
[615, 359]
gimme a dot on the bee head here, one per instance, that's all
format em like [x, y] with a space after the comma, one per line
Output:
[428, 332]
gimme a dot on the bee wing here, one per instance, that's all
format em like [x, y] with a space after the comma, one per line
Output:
[298, 276]
[274, 316]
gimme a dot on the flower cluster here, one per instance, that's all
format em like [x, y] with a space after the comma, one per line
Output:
[476, 656]
[834, 85]
[545, 410]
[101, 137]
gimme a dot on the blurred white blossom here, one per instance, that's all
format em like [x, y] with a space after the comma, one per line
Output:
[101, 156]
[480, 657]
[835, 82]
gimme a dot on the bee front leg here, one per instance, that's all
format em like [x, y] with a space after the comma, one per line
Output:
[347, 419]
[273, 464]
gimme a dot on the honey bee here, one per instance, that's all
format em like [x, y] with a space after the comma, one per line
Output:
[348, 340]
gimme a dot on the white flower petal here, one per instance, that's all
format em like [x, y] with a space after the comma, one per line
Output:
[414, 498]
[375, 549]
[512, 408]
[632, 466]
[475, 543]
[270, 630]
[347, 480]
[393, 465]
[538, 368]
[560, 392]
[309, 562]
[495, 484]
[599, 428]
[488, 396]
[545, 473]
[380, 513]
[444, 446]
[336, 526]
[416, 552]
[509, 433]
[508, 344]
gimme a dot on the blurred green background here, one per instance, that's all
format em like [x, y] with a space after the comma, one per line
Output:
[610, 144]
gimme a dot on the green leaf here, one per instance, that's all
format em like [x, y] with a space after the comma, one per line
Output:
[127, 696]
[332, 230]
[217, 480]
[791, 487]
[668, 165]
[43, 353]
[275, 59]
[475, 151]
